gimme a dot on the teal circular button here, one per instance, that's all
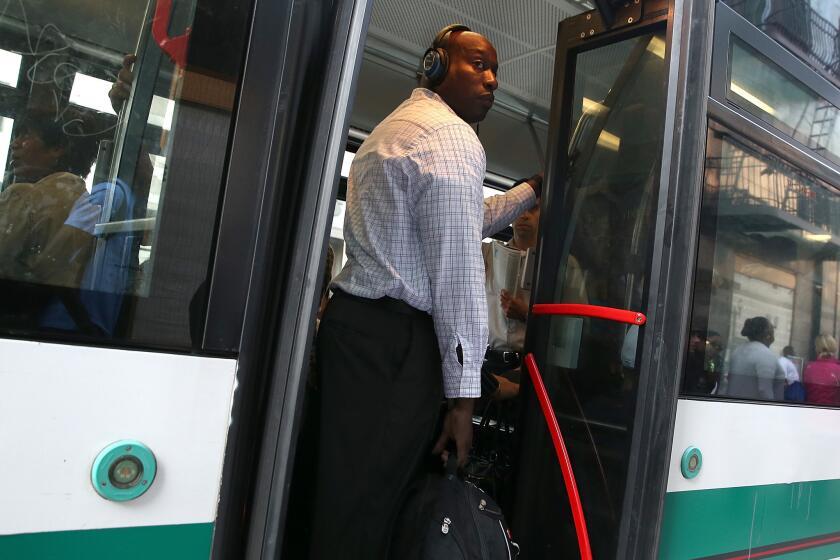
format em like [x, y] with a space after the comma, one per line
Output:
[691, 462]
[123, 470]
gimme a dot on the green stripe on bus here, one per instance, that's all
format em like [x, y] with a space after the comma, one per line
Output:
[163, 542]
[707, 522]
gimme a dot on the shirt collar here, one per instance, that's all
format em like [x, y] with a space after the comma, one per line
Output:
[424, 93]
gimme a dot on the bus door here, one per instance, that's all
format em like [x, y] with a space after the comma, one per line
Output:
[164, 171]
[606, 240]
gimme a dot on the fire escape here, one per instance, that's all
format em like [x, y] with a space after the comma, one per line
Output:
[816, 40]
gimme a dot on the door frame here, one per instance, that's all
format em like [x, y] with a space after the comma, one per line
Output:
[690, 38]
[291, 126]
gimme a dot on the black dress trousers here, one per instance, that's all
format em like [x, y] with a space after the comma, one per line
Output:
[381, 381]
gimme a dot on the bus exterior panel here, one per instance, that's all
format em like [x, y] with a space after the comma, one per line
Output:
[78, 400]
[769, 482]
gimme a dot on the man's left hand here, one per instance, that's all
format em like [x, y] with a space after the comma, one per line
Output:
[458, 428]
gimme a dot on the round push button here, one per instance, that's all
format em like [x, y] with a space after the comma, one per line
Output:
[691, 462]
[123, 471]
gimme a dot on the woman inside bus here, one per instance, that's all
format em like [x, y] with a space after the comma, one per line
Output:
[754, 370]
[822, 376]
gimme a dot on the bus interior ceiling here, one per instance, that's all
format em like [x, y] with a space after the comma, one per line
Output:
[82, 21]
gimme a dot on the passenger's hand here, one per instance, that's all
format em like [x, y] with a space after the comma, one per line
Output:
[536, 182]
[514, 307]
[507, 389]
[122, 87]
[457, 427]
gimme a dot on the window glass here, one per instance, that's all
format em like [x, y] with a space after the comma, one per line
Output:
[113, 135]
[765, 315]
[808, 28]
[764, 89]
[9, 68]
[6, 125]
[590, 365]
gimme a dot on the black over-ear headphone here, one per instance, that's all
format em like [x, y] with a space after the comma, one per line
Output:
[436, 58]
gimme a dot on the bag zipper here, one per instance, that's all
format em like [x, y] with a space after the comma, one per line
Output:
[475, 522]
[485, 507]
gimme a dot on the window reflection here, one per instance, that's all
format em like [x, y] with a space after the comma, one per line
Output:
[92, 93]
[9, 67]
[767, 285]
[46, 210]
[116, 146]
[808, 28]
[764, 89]
[6, 126]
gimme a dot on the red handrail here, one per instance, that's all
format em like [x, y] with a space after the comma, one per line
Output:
[583, 310]
[174, 47]
[562, 457]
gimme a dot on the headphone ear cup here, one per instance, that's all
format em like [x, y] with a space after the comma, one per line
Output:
[435, 62]
[443, 59]
[433, 68]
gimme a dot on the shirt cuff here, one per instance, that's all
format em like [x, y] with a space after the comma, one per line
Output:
[461, 382]
[523, 193]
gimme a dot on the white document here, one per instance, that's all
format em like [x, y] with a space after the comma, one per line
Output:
[507, 267]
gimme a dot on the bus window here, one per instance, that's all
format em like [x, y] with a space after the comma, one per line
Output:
[767, 288]
[767, 91]
[808, 28]
[113, 138]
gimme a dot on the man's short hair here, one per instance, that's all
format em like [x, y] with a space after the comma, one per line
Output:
[70, 131]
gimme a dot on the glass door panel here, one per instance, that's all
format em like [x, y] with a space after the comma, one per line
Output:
[596, 250]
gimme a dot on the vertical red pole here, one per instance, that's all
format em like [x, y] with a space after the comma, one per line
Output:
[562, 457]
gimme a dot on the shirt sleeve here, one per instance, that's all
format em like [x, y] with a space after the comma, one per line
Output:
[500, 210]
[449, 214]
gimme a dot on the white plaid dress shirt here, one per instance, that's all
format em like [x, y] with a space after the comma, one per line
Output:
[414, 222]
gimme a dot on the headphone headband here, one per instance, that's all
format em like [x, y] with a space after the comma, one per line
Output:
[442, 38]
